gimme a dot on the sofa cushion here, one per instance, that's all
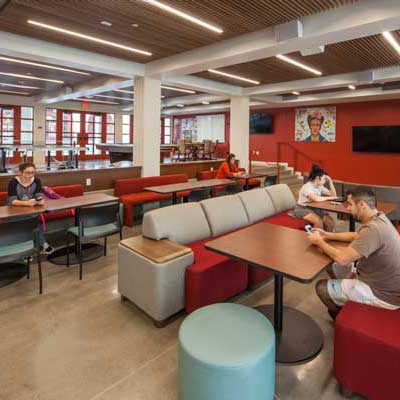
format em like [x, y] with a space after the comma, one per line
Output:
[281, 196]
[182, 223]
[257, 203]
[225, 214]
[284, 219]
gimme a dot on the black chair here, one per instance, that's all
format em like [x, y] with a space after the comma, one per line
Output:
[199, 194]
[233, 188]
[94, 223]
[19, 240]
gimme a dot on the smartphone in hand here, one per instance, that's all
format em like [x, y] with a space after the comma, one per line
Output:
[309, 228]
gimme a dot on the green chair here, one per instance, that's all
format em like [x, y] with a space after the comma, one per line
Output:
[226, 352]
[19, 240]
[94, 223]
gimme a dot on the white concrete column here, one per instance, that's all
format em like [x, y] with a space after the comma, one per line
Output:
[118, 127]
[147, 129]
[39, 133]
[239, 129]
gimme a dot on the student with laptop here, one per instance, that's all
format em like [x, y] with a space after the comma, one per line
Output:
[315, 190]
[375, 248]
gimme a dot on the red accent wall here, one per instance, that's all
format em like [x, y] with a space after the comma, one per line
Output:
[338, 158]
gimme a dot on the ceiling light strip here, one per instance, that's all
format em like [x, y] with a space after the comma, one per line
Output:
[30, 77]
[112, 97]
[14, 60]
[392, 41]
[183, 15]
[96, 101]
[87, 37]
[178, 89]
[18, 86]
[299, 64]
[124, 91]
[240, 78]
[351, 87]
[13, 92]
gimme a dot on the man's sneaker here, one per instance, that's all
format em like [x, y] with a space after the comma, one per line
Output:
[28, 258]
[47, 250]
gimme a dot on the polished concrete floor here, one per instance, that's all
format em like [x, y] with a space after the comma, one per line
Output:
[77, 341]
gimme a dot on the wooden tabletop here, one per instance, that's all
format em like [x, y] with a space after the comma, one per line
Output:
[279, 249]
[340, 208]
[158, 251]
[12, 211]
[180, 187]
[78, 201]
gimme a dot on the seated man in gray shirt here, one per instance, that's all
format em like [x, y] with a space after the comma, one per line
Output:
[375, 248]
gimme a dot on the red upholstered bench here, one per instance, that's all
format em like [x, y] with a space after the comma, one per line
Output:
[367, 351]
[284, 219]
[212, 278]
[131, 192]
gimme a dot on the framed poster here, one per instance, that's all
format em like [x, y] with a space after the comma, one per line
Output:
[316, 124]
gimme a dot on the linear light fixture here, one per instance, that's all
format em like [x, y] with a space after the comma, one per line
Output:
[12, 92]
[180, 105]
[31, 77]
[112, 97]
[183, 15]
[87, 37]
[351, 87]
[96, 101]
[178, 89]
[18, 86]
[240, 78]
[298, 64]
[14, 60]
[392, 41]
[296, 93]
[124, 91]
[205, 102]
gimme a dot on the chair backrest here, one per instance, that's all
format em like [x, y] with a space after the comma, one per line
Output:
[69, 190]
[281, 196]
[207, 145]
[204, 175]
[99, 215]
[18, 230]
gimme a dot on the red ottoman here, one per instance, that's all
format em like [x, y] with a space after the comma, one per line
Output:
[367, 351]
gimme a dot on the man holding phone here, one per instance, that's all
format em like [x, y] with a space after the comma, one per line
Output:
[25, 190]
[375, 248]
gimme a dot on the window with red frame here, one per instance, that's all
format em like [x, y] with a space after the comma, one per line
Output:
[127, 128]
[71, 129]
[166, 130]
[7, 124]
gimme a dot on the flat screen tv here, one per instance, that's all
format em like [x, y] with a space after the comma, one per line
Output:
[376, 139]
[260, 123]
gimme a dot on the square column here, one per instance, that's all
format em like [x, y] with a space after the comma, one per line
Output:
[147, 125]
[39, 133]
[239, 129]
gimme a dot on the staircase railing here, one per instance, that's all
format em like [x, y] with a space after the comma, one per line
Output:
[296, 154]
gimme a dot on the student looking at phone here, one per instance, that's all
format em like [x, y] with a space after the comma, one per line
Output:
[25, 190]
[314, 190]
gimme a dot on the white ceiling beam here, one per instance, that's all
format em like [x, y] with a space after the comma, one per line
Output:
[13, 45]
[365, 18]
[88, 88]
[193, 99]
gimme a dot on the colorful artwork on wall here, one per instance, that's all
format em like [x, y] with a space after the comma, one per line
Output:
[315, 124]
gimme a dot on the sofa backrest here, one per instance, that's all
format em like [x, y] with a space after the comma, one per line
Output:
[135, 185]
[3, 198]
[69, 190]
[203, 175]
[182, 223]
[258, 204]
[225, 214]
[281, 196]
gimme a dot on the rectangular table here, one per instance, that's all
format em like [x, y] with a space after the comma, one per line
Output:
[248, 176]
[78, 201]
[341, 208]
[286, 253]
[174, 188]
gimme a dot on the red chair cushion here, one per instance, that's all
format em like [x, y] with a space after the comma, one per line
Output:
[283, 219]
[367, 350]
[212, 278]
[203, 175]
[3, 198]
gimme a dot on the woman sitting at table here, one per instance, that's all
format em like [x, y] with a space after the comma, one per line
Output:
[314, 190]
[229, 169]
[25, 190]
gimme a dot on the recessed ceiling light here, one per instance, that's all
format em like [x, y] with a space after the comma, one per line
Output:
[296, 93]
[87, 37]
[351, 87]
[135, 25]
[299, 64]
[240, 78]
[106, 23]
[29, 73]
[18, 86]
[163, 97]
[14, 60]
[393, 42]
[96, 101]
[178, 89]
[31, 77]
[113, 97]
[183, 15]
[12, 92]
[124, 91]
[180, 105]
[205, 102]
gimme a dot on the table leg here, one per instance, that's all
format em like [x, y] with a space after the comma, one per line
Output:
[298, 337]
[3, 161]
[352, 224]
[174, 198]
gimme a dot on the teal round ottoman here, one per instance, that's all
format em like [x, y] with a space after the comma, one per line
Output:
[226, 352]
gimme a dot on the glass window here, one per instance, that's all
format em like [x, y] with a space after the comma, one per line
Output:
[27, 112]
[26, 125]
[51, 127]
[126, 129]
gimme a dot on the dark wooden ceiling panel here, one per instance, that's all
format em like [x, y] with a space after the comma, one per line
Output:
[159, 32]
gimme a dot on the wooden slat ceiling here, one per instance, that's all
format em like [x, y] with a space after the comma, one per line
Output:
[353, 55]
[160, 33]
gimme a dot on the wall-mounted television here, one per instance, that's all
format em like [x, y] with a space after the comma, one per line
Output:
[376, 139]
[260, 123]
